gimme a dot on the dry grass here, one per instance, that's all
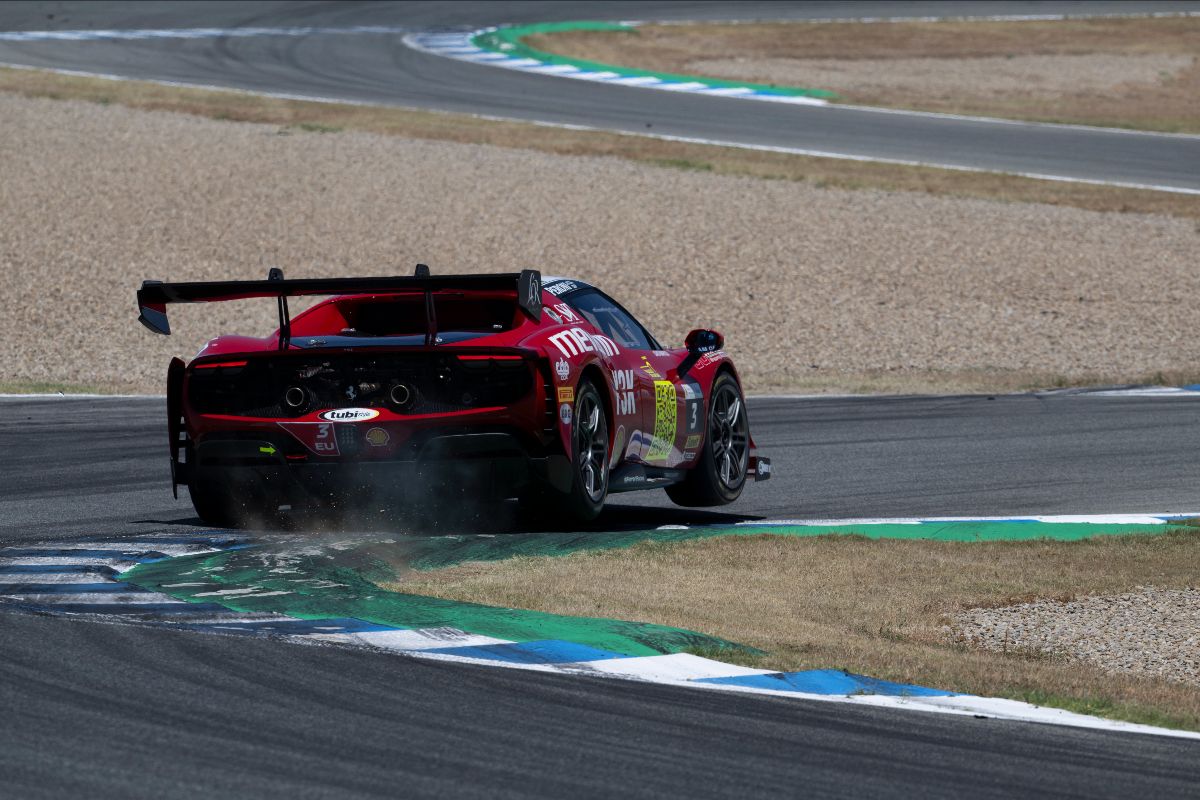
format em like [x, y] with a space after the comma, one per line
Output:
[303, 116]
[875, 607]
[1138, 73]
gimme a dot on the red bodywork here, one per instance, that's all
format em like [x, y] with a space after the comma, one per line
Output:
[656, 416]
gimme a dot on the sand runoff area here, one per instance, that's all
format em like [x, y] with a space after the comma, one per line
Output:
[815, 288]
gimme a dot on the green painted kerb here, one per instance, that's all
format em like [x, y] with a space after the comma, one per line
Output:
[319, 587]
[344, 583]
[509, 41]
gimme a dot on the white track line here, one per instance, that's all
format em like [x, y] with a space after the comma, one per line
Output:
[594, 129]
[1056, 519]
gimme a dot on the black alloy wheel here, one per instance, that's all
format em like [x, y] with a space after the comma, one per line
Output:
[589, 457]
[720, 474]
[729, 436]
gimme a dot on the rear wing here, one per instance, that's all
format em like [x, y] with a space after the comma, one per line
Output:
[154, 296]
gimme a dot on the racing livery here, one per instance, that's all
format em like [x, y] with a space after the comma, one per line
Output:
[508, 385]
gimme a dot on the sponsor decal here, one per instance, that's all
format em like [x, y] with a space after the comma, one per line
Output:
[688, 455]
[639, 478]
[562, 369]
[550, 313]
[626, 393]
[564, 414]
[690, 392]
[576, 341]
[649, 369]
[377, 437]
[661, 353]
[708, 359]
[535, 294]
[762, 470]
[566, 394]
[665, 421]
[567, 312]
[618, 445]
[692, 442]
[561, 287]
[349, 414]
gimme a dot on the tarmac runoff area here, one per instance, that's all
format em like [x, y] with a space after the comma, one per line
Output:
[223, 583]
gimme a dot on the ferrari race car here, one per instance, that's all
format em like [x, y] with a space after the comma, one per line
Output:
[508, 385]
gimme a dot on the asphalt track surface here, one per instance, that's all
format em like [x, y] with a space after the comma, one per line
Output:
[82, 467]
[377, 68]
[108, 710]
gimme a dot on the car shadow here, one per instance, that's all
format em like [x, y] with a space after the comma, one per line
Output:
[489, 519]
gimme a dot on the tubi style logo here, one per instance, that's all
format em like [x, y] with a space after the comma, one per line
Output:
[349, 414]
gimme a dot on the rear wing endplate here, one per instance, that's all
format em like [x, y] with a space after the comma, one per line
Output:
[154, 296]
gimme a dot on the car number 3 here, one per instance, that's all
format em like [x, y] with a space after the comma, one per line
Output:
[692, 421]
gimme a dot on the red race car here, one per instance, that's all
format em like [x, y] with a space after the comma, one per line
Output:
[506, 384]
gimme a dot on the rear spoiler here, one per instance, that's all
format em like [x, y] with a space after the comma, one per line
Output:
[154, 296]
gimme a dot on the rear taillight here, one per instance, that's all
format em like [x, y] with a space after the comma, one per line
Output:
[216, 364]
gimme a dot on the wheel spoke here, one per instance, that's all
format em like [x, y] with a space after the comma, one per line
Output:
[735, 409]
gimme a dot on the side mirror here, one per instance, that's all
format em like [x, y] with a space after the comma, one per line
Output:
[701, 341]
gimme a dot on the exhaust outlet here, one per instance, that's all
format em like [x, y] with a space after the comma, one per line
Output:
[400, 395]
[295, 398]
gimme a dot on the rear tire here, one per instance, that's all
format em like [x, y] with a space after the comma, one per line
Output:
[234, 504]
[215, 503]
[720, 475]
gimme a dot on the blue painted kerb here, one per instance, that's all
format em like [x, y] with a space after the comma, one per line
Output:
[828, 681]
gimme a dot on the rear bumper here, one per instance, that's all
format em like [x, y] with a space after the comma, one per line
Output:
[488, 464]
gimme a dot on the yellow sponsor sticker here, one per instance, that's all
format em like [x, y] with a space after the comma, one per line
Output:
[666, 415]
[566, 394]
[692, 442]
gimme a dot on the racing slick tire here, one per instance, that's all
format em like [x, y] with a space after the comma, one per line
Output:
[719, 476]
[589, 457]
[230, 504]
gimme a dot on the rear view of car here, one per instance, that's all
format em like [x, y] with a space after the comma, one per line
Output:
[362, 395]
[407, 390]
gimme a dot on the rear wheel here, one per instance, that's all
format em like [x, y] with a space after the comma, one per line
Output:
[223, 503]
[589, 457]
[719, 476]
[215, 502]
